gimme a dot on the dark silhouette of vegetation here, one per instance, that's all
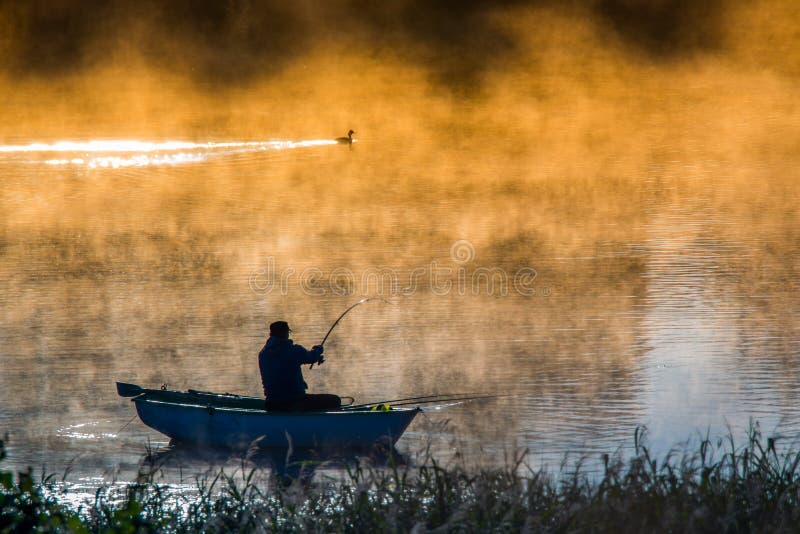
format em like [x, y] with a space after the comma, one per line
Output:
[232, 42]
[719, 487]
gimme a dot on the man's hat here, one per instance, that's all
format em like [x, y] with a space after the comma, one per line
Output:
[279, 329]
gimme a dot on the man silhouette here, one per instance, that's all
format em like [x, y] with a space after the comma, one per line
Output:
[284, 388]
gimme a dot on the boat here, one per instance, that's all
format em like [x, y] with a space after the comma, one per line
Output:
[232, 421]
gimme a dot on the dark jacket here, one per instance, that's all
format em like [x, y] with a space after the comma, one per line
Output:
[279, 362]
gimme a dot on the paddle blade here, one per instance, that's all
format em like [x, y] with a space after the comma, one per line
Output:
[128, 390]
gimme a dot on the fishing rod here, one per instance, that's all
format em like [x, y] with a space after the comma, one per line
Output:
[457, 399]
[362, 301]
[430, 401]
[442, 396]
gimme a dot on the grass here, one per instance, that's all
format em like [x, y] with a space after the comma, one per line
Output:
[720, 487]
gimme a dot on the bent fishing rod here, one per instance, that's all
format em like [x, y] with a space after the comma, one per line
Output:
[362, 301]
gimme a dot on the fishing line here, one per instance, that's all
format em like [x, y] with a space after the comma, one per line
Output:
[126, 424]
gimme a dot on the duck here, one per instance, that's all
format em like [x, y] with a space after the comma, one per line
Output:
[346, 140]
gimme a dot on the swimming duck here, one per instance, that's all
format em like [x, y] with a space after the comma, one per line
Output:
[346, 140]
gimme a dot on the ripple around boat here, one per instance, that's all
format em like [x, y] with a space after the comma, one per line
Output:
[225, 420]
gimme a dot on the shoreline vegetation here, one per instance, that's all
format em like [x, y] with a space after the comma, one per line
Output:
[719, 487]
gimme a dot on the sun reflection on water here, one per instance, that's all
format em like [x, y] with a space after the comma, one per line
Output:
[90, 430]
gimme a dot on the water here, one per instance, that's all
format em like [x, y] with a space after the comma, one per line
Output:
[657, 294]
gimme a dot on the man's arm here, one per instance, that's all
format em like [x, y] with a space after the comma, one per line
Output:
[308, 356]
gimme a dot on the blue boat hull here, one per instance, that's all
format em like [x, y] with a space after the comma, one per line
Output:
[211, 424]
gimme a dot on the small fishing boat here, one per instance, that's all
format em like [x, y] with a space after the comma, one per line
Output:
[226, 420]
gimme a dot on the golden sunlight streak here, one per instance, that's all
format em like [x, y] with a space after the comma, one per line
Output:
[143, 153]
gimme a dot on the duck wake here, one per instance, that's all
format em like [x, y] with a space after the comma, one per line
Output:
[105, 154]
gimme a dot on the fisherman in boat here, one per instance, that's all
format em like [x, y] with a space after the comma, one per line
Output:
[284, 387]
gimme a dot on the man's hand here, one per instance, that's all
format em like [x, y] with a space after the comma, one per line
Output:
[318, 349]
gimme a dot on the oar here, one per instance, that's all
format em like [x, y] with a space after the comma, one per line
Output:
[129, 390]
[362, 301]
[442, 396]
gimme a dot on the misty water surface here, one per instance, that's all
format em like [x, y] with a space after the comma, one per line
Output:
[644, 301]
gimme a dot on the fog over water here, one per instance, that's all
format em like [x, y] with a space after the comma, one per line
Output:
[591, 206]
